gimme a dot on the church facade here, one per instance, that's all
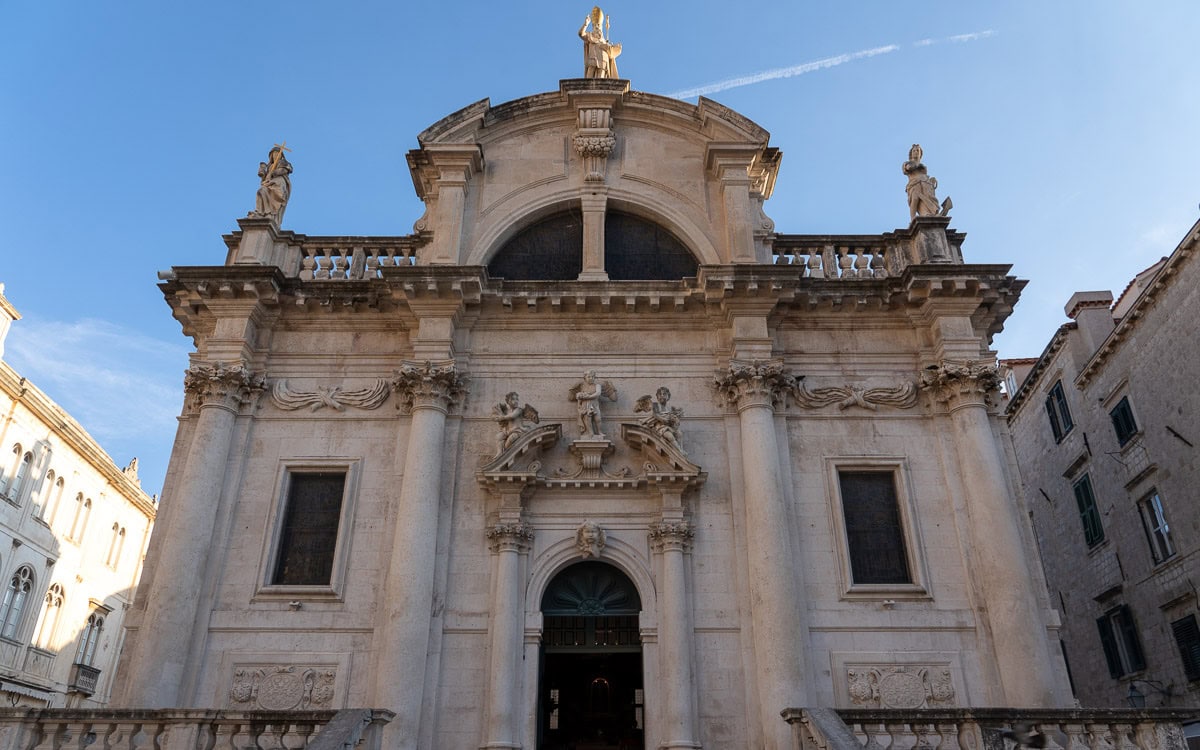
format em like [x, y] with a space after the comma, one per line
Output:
[595, 457]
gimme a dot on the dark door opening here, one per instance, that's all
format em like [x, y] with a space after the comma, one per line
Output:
[590, 693]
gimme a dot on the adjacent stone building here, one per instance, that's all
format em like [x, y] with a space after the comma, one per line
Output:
[1106, 424]
[73, 530]
[595, 457]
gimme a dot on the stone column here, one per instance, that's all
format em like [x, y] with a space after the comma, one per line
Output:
[671, 539]
[999, 556]
[776, 588]
[593, 205]
[155, 678]
[509, 541]
[428, 390]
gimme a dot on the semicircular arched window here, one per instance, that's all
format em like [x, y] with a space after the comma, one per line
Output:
[634, 249]
[591, 588]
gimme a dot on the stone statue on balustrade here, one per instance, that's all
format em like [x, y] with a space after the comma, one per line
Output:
[275, 185]
[921, 188]
[514, 420]
[662, 419]
[599, 53]
[587, 395]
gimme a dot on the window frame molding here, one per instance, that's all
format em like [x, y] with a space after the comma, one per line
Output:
[1055, 414]
[1145, 508]
[914, 549]
[335, 590]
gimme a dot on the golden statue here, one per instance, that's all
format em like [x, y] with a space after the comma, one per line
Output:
[599, 53]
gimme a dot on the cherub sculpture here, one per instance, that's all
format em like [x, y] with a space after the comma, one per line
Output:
[513, 420]
[662, 419]
[586, 395]
[921, 188]
[590, 539]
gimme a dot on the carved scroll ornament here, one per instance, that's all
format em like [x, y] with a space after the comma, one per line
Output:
[333, 396]
[903, 396]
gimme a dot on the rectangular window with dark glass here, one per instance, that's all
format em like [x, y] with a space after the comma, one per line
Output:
[1158, 531]
[308, 536]
[1119, 639]
[1123, 422]
[874, 532]
[1093, 532]
[1056, 409]
[1187, 637]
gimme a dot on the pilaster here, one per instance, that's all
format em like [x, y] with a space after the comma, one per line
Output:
[730, 163]
[446, 171]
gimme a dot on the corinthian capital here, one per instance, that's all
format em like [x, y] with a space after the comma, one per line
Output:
[756, 383]
[961, 382]
[430, 385]
[510, 537]
[225, 384]
[671, 535]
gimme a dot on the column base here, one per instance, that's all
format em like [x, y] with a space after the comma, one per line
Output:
[682, 744]
[593, 276]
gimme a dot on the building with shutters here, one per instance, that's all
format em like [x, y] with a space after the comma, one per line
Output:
[1104, 425]
[73, 529]
[595, 457]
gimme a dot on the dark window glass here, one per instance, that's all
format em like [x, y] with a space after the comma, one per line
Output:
[310, 529]
[1122, 419]
[1056, 409]
[1093, 532]
[1158, 531]
[638, 249]
[1119, 639]
[550, 250]
[1187, 637]
[873, 530]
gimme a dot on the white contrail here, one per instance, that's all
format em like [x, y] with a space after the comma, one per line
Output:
[809, 67]
[770, 75]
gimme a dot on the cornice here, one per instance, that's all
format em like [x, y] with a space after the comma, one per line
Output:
[74, 436]
[1149, 296]
[1057, 341]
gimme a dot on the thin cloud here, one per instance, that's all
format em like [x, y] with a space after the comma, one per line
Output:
[810, 67]
[770, 75]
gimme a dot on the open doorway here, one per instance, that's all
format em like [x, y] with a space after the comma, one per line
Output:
[590, 695]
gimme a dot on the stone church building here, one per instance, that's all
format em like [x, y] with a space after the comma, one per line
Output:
[596, 457]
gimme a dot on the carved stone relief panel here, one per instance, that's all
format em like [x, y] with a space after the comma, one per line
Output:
[899, 680]
[278, 687]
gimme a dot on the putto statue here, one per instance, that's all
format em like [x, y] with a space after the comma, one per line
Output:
[599, 53]
[921, 188]
[590, 539]
[662, 419]
[587, 394]
[514, 420]
[275, 186]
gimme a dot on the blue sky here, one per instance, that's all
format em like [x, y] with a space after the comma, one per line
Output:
[130, 134]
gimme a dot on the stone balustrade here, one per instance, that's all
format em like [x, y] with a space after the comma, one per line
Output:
[190, 729]
[835, 257]
[987, 729]
[338, 259]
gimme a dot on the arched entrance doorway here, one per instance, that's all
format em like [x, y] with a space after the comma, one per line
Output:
[590, 694]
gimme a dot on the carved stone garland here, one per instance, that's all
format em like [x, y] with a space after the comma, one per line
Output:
[333, 396]
[227, 384]
[436, 385]
[903, 396]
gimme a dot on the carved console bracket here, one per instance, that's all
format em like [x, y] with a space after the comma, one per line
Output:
[594, 140]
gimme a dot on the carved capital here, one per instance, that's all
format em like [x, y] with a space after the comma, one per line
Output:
[429, 385]
[228, 385]
[756, 383]
[510, 537]
[962, 383]
[671, 535]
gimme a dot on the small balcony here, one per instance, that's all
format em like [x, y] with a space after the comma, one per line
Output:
[83, 679]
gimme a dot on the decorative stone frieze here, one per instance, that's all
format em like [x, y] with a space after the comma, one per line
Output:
[907, 687]
[335, 397]
[590, 539]
[282, 687]
[671, 535]
[960, 383]
[512, 537]
[226, 384]
[755, 383]
[903, 396]
[429, 385]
